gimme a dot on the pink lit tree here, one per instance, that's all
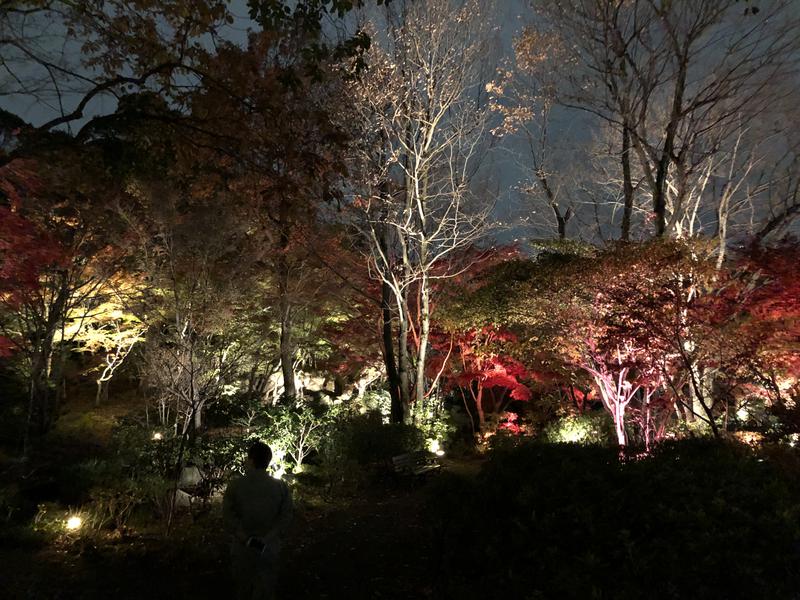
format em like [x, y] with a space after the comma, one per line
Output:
[632, 317]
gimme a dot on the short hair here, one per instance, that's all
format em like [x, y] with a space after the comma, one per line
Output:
[260, 454]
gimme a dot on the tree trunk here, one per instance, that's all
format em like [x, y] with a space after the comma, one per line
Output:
[404, 367]
[696, 380]
[660, 191]
[619, 426]
[627, 186]
[37, 403]
[251, 377]
[40, 415]
[388, 357]
[425, 328]
[479, 410]
[396, 411]
[198, 417]
[561, 219]
[287, 352]
[286, 346]
[102, 393]
[404, 357]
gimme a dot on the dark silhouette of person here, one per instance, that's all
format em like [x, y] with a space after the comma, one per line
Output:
[256, 510]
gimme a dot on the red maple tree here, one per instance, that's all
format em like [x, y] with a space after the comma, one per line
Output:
[475, 363]
[26, 249]
[767, 353]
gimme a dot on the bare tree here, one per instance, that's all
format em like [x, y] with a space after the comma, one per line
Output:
[674, 79]
[426, 123]
[524, 94]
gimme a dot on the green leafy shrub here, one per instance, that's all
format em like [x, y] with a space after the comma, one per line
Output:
[114, 503]
[51, 518]
[588, 428]
[219, 457]
[379, 401]
[358, 445]
[434, 421]
[338, 470]
[296, 431]
[365, 439]
[235, 407]
[115, 487]
[697, 520]
[680, 429]
[143, 469]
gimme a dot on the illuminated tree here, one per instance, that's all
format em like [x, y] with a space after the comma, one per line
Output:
[108, 328]
[352, 316]
[667, 301]
[474, 362]
[768, 326]
[191, 257]
[284, 166]
[636, 319]
[65, 233]
[424, 124]
[27, 253]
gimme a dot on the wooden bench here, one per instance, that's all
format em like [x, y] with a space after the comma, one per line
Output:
[415, 463]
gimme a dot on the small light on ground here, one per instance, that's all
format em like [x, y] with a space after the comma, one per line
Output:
[74, 523]
[435, 446]
[158, 436]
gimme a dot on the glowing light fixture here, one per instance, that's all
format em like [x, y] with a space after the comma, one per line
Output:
[74, 523]
[158, 436]
[435, 446]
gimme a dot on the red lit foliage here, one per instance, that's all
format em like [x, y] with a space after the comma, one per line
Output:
[462, 273]
[476, 364]
[26, 251]
[767, 353]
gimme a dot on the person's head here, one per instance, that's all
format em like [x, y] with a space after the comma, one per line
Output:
[259, 455]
